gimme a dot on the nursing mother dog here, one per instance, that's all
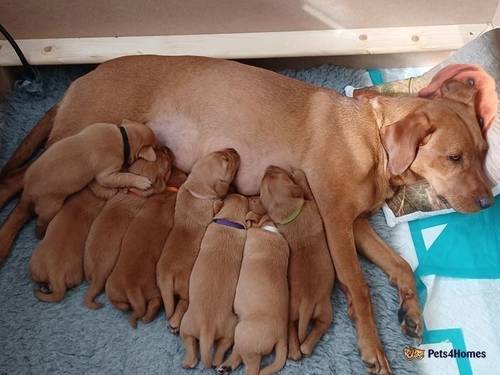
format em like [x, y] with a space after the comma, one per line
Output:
[354, 152]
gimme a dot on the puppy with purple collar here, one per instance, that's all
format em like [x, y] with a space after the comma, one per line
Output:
[209, 318]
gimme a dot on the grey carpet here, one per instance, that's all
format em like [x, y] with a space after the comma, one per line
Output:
[66, 338]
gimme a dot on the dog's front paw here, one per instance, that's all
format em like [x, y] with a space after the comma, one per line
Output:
[375, 360]
[142, 183]
[409, 317]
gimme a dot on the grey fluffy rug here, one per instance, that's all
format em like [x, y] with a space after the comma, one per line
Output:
[66, 338]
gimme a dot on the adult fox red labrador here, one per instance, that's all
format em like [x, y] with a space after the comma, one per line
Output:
[354, 152]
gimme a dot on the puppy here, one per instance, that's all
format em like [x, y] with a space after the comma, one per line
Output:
[132, 284]
[109, 228]
[212, 285]
[261, 301]
[289, 202]
[57, 262]
[97, 152]
[195, 208]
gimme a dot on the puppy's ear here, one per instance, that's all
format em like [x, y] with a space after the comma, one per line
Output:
[147, 153]
[221, 188]
[255, 204]
[218, 206]
[402, 139]
[299, 178]
[458, 91]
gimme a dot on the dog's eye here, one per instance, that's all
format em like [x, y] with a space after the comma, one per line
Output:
[456, 158]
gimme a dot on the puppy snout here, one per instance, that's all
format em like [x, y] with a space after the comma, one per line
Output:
[485, 201]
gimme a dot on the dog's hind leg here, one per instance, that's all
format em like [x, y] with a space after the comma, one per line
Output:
[46, 210]
[322, 320]
[223, 346]
[230, 364]
[293, 341]
[175, 320]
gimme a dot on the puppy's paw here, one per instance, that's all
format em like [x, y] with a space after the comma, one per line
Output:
[224, 370]
[142, 183]
[173, 330]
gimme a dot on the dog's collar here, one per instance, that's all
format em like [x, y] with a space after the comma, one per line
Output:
[229, 223]
[126, 144]
[293, 215]
[172, 189]
[201, 196]
[270, 228]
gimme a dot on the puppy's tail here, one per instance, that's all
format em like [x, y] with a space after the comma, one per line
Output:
[57, 293]
[152, 309]
[15, 221]
[305, 315]
[281, 350]
[35, 138]
[167, 294]
[138, 303]
[93, 291]
[206, 343]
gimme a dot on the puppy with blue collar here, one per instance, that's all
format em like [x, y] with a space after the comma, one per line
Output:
[209, 318]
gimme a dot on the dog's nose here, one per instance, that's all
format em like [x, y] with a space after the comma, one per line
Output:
[484, 202]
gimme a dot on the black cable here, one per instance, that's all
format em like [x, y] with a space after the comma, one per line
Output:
[34, 77]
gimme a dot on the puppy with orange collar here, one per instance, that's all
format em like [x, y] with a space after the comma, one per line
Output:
[132, 284]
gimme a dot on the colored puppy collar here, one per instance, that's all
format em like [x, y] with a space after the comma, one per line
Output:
[172, 189]
[293, 215]
[126, 145]
[200, 196]
[229, 223]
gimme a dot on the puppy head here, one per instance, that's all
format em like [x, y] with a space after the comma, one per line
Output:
[142, 141]
[280, 195]
[441, 141]
[212, 175]
[234, 208]
[158, 171]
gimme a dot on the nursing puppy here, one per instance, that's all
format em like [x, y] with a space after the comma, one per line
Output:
[57, 262]
[106, 234]
[289, 203]
[132, 284]
[261, 301]
[196, 205]
[212, 286]
[97, 152]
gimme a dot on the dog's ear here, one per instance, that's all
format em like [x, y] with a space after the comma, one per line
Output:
[458, 91]
[402, 139]
[218, 206]
[255, 204]
[221, 188]
[147, 153]
[299, 177]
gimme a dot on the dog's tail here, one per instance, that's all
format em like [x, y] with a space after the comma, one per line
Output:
[15, 221]
[152, 309]
[56, 294]
[206, 343]
[305, 315]
[138, 303]
[281, 350]
[91, 294]
[35, 138]
[166, 286]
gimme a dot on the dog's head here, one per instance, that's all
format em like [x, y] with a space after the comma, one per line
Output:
[280, 195]
[142, 141]
[212, 175]
[440, 140]
[158, 171]
[234, 208]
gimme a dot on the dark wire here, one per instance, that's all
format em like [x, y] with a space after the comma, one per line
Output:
[34, 76]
